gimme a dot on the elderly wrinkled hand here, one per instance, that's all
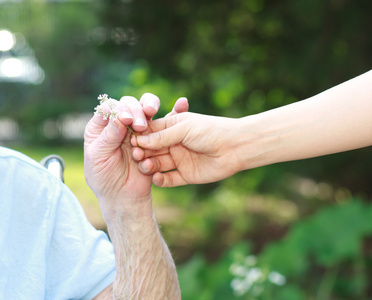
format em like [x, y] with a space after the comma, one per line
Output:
[109, 169]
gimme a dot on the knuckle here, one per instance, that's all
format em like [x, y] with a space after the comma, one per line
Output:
[156, 165]
[148, 153]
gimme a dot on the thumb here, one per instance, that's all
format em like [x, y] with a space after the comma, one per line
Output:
[111, 137]
[163, 139]
[181, 105]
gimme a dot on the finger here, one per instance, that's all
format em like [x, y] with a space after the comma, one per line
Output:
[125, 116]
[161, 124]
[181, 105]
[156, 125]
[103, 112]
[169, 179]
[121, 109]
[92, 130]
[167, 122]
[139, 154]
[105, 120]
[97, 123]
[161, 163]
[130, 106]
[162, 139]
[150, 104]
[110, 139]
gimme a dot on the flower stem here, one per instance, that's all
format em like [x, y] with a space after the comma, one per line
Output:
[131, 130]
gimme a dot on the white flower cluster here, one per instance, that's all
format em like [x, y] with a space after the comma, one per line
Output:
[112, 113]
[251, 278]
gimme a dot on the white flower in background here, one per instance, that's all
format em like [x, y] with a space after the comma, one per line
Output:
[253, 275]
[277, 278]
[250, 260]
[238, 270]
[239, 287]
[251, 278]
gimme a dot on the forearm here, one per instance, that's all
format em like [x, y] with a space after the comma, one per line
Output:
[144, 266]
[336, 120]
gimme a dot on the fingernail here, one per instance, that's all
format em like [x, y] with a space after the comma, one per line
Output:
[126, 115]
[139, 122]
[143, 167]
[154, 104]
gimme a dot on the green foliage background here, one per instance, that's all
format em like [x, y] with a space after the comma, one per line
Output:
[311, 220]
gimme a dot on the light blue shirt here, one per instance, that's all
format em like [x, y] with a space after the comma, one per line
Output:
[48, 249]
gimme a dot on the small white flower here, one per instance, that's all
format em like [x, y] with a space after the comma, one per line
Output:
[233, 268]
[111, 103]
[277, 278]
[250, 260]
[114, 115]
[106, 115]
[253, 275]
[241, 271]
[98, 110]
[235, 284]
[102, 98]
[239, 287]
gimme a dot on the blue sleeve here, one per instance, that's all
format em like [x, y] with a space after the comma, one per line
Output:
[48, 249]
[80, 262]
